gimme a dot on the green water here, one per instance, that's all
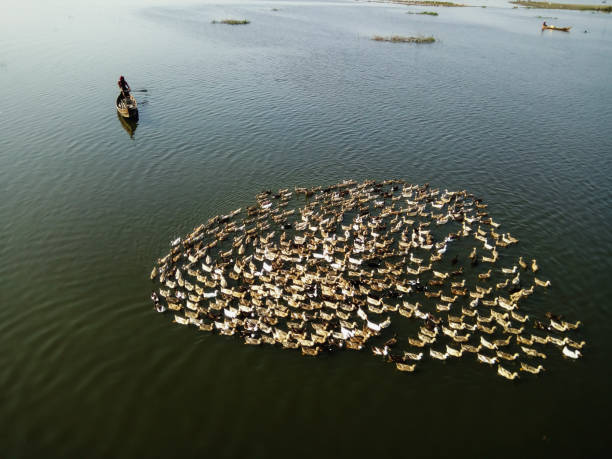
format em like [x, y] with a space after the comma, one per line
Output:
[299, 97]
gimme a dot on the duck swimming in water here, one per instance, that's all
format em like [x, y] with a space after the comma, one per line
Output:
[438, 355]
[506, 374]
[484, 359]
[541, 283]
[405, 367]
[411, 356]
[530, 369]
[572, 354]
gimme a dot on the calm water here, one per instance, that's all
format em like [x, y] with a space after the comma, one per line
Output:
[299, 97]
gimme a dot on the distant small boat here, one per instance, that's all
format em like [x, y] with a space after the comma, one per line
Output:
[552, 27]
[127, 107]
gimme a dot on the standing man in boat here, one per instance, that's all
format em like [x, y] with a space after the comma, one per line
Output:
[124, 86]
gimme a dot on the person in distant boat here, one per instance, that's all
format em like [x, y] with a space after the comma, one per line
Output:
[544, 24]
[124, 86]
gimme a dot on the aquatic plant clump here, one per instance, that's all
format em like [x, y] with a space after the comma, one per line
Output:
[409, 273]
[564, 6]
[232, 21]
[426, 13]
[402, 39]
[428, 3]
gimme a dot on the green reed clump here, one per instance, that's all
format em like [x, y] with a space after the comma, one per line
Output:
[427, 3]
[402, 39]
[428, 13]
[232, 21]
[563, 6]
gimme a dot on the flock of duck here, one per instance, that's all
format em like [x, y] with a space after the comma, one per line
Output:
[325, 269]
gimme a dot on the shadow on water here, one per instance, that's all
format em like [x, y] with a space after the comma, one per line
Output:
[128, 124]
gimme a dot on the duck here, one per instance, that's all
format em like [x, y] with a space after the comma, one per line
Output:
[458, 284]
[533, 352]
[384, 351]
[470, 348]
[502, 342]
[514, 331]
[539, 325]
[572, 354]
[516, 316]
[405, 367]
[574, 344]
[412, 356]
[522, 263]
[558, 326]
[530, 369]
[487, 330]
[437, 355]
[453, 352]
[539, 339]
[501, 285]
[181, 320]
[534, 266]
[506, 356]
[487, 344]
[556, 341]
[484, 359]
[571, 326]
[541, 283]
[506, 374]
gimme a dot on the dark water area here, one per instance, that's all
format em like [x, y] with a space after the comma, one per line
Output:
[301, 96]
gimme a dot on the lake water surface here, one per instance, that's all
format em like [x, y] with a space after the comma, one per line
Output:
[299, 97]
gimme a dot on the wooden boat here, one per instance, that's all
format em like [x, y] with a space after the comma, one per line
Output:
[127, 107]
[552, 27]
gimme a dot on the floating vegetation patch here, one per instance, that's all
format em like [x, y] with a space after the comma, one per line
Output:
[427, 13]
[232, 21]
[402, 39]
[428, 3]
[405, 272]
[563, 6]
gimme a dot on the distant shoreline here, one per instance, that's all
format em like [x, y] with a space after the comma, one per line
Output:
[563, 6]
